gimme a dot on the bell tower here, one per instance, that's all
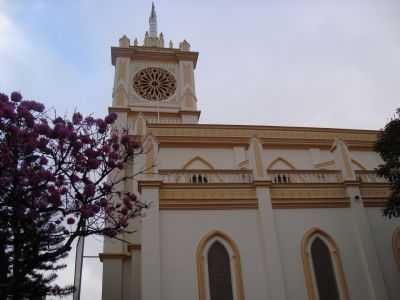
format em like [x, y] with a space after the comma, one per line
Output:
[153, 83]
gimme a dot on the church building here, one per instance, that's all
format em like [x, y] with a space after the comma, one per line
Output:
[241, 211]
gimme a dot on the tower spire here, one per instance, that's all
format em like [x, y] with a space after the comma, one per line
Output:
[153, 21]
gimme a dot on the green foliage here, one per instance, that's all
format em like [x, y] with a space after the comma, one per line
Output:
[388, 146]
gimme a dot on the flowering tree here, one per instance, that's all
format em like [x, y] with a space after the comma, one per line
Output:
[388, 146]
[58, 181]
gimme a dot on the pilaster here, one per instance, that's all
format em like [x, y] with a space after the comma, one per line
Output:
[112, 276]
[267, 228]
[150, 254]
[368, 254]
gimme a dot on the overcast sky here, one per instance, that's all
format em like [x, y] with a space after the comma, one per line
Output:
[300, 63]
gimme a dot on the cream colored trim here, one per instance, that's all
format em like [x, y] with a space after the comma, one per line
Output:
[192, 197]
[148, 184]
[148, 53]
[325, 164]
[243, 196]
[346, 159]
[212, 135]
[336, 260]
[197, 158]
[244, 165]
[200, 261]
[396, 246]
[375, 194]
[258, 161]
[309, 196]
[284, 161]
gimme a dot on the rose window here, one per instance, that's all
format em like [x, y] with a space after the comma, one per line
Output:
[154, 84]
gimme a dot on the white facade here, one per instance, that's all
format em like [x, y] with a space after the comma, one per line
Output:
[262, 191]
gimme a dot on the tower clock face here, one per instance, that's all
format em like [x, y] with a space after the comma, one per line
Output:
[154, 84]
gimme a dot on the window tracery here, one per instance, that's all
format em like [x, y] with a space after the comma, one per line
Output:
[154, 84]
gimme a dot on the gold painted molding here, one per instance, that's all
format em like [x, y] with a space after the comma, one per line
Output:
[280, 159]
[200, 261]
[337, 262]
[200, 159]
[375, 194]
[209, 134]
[150, 53]
[190, 197]
[309, 196]
[148, 184]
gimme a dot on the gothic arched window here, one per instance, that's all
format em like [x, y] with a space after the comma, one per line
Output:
[219, 272]
[218, 268]
[396, 246]
[322, 267]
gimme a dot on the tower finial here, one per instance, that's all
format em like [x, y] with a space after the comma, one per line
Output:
[153, 21]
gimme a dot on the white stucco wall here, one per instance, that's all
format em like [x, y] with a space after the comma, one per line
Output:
[369, 159]
[299, 158]
[382, 230]
[291, 226]
[176, 158]
[181, 232]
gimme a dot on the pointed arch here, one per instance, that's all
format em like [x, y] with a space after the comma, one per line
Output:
[120, 95]
[189, 99]
[140, 125]
[234, 257]
[199, 159]
[310, 275]
[282, 160]
[150, 147]
[358, 164]
[396, 246]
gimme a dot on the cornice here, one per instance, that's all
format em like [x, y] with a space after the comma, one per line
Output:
[207, 197]
[131, 111]
[270, 136]
[375, 194]
[149, 183]
[153, 53]
[309, 196]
